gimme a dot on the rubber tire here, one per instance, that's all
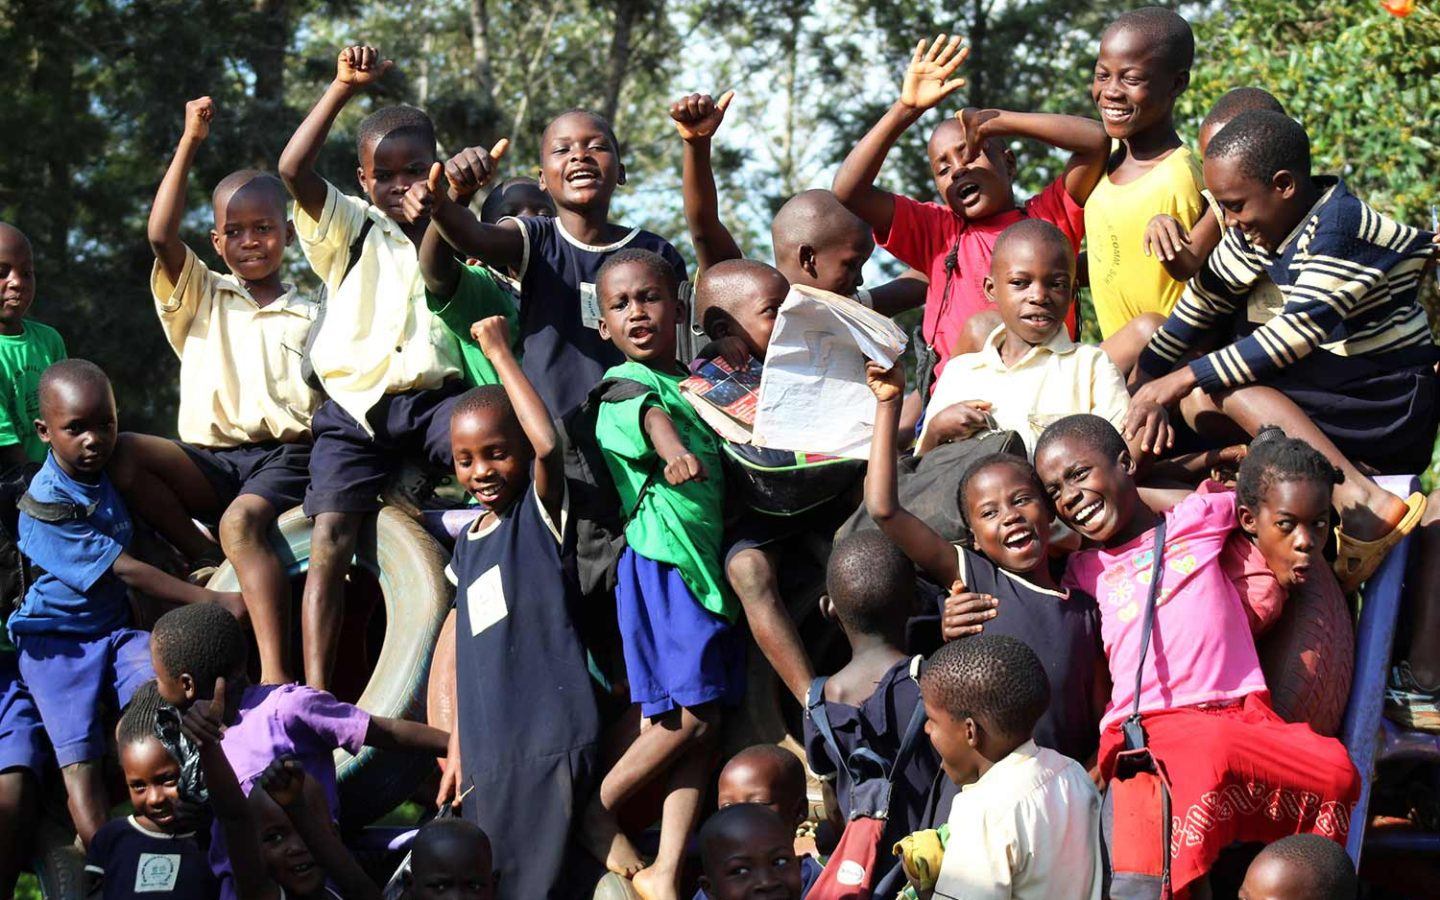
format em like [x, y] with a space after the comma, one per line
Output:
[410, 567]
[440, 694]
[1309, 655]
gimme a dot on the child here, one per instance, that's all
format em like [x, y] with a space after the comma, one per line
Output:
[1202, 696]
[516, 198]
[450, 858]
[527, 724]
[683, 657]
[1351, 347]
[1143, 67]
[24, 755]
[871, 593]
[1283, 494]
[1002, 503]
[27, 348]
[748, 851]
[73, 628]
[772, 777]
[244, 423]
[1027, 823]
[1301, 867]
[151, 851]
[557, 259]
[951, 243]
[389, 367]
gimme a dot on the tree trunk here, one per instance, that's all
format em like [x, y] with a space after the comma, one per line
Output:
[480, 52]
[976, 64]
[265, 51]
[625, 13]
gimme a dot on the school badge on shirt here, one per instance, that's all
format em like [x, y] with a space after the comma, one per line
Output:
[156, 873]
[486, 599]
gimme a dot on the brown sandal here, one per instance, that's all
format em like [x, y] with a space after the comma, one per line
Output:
[1356, 560]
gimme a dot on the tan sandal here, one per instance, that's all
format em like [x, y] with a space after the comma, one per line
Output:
[1355, 560]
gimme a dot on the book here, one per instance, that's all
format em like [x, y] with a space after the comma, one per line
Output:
[725, 397]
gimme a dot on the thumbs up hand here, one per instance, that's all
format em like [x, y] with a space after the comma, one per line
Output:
[204, 722]
[423, 196]
[698, 116]
[472, 168]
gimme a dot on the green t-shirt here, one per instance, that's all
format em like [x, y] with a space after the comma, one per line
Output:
[679, 525]
[22, 358]
[477, 296]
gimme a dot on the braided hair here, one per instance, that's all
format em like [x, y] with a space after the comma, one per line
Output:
[1275, 458]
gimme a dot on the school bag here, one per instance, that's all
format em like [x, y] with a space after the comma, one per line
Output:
[787, 482]
[17, 573]
[856, 870]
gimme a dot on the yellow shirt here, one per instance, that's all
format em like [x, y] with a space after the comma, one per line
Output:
[240, 377]
[1055, 379]
[377, 336]
[1124, 282]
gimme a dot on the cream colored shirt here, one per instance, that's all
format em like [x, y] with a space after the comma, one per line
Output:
[378, 336]
[1028, 828]
[240, 377]
[1055, 379]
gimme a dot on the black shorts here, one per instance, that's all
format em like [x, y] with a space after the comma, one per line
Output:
[756, 530]
[277, 473]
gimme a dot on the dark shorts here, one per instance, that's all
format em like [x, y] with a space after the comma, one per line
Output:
[756, 530]
[23, 744]
[69, 676]
[274, 472]
[349, 466]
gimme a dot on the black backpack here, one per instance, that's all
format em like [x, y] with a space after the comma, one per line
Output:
[16, 572]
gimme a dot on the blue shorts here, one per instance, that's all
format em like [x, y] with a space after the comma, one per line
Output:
[23, 744]
[69, 676]
[349, 467]
[274, 472]
[677, 653]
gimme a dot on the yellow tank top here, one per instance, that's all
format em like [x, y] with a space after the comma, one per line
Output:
[1124, 282]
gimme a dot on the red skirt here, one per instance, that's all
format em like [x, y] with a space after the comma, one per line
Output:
[1238, 773]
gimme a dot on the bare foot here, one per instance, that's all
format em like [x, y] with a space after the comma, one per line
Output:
[657, 884]
[601, 835]
[1377, 518]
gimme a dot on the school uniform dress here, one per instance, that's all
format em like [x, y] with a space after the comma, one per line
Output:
[132, 860]
[560, 310]
[525, 702]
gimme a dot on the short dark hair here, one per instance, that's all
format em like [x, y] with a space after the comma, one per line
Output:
[1322, 861]
[388, 120]
[1165, 29]
[991, 461]
[1034, 231]
[871, 582]
[741, 817]
[992, 678]
[485, 398]
[651, 260]
[450, 828]
[1274, 458]
[1091, 430]
[792, 770]
[595, 117]
[1240, 100]
[201, 640]
[723, 287]
[254, 179]
[72, 372]
[492, 207]
[815, 217]
[1263, 142]
[138, 720]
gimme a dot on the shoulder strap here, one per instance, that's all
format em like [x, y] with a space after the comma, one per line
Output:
[307, 369]
[54, 513]
[1134, 734]
[815, 708]
[357, 246]
[913, 731]
[618, 390]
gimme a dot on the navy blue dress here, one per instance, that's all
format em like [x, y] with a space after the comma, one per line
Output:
[525, 704]
[132, 861]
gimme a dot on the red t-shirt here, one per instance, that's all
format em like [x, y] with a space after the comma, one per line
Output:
[922, 235]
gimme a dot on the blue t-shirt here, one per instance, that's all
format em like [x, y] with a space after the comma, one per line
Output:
[77, 593]
[134, 861]
[560, 312]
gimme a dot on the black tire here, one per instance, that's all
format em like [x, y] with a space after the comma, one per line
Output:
[409, 566]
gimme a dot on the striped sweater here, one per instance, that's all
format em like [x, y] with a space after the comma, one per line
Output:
[1349, 277]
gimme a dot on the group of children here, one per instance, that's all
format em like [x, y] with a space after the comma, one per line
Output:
[1097, 627]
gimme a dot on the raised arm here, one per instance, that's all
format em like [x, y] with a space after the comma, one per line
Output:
[357, 68]
[1083, 138]
[925, 547]
[899, 294]
[697, 117]
[927, 82]
[163, 229]
[493, 336]
[502, 245]
[284, 780]
[438, 265]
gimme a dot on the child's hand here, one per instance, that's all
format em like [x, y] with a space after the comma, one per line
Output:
[284, 781]
[699, 115]
[1151, 424]
[422, 197]
[683, 468]
[974, 122]
[1165, 237]
[204, 722]
[472, 168]
[927, 81]
[960, 421]
[966, 613]
[888, 385]
[450, 781]
[493, 336]
[733, 350]
[198, 113]
[360, 66]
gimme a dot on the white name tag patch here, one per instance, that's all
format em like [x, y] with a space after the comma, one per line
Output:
[589, 306]
[485, 601]
[156, 873]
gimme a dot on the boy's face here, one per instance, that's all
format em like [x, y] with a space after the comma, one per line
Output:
[389, 166]
[152, 776]
[1092, 493]
[954, 739]
[751, 319]
[1031, 283]
[757, 863]
[451, 870]
[638, 313]
[17, 279]
[1265, 212]
[287, 858]
[77, 420]
[579, 163]
[526, 200]
[836, 266]
[1133, 88]
[977, 190]
[755, 781]
[1290, 527]
[1009, 518]
[251, 233]
[492, 457]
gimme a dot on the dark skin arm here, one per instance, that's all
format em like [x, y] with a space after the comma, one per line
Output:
[400, 734]
[903, 293]
[466, 172]
[697, 117]
[147, 579]
[1085, 139]
[680, 464]
[284, 781]
[1182, 254]
[955, 423]
[163, 228]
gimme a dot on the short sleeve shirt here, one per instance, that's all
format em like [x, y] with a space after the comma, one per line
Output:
[23, 357]
[560, 311]
[78, 592]
[922, 235]
[133, 861]
[478, 295]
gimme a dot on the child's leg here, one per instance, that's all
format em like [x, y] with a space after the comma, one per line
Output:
[245, 537]
[661, 879]
[1423, 647]
[17, 806]
[752, 574]
[86, 799]
[1124, 346]
[332, 546]
[162, 485]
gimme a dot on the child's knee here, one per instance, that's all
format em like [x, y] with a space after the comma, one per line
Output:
[247, 522]
[1144, 326]
[334, 532]
[123, 465]
[750, 572]
[700, 725]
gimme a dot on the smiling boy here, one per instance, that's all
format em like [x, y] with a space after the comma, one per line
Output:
[27, 348]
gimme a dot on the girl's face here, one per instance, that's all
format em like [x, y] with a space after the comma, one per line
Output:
[1009, 518]
[1290, 526]
[287, 858]
[1092, 492]
[152, 777]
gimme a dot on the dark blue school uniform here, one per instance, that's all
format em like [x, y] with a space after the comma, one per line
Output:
[525, 705]
[560, 312]
[133, 861]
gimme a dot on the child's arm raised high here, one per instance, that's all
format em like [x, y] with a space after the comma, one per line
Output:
[927, 82]
[163, 229]
[502, 245]
[1085, 139]
[697, 117]
[284, 780]
[357, 68]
